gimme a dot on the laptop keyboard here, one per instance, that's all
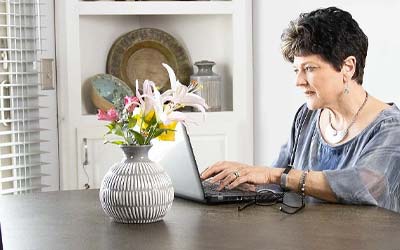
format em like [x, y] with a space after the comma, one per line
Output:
[211, 189]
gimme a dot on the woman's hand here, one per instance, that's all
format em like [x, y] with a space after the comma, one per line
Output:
[234, 174]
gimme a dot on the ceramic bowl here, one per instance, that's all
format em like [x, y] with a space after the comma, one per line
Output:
[105, 88]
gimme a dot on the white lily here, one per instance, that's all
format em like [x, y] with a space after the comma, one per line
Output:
[146, 100]
[165, 113]
[181, 94]
[166, 104]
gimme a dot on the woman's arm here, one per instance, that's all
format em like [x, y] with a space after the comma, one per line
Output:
[223, 172]
[316, 184]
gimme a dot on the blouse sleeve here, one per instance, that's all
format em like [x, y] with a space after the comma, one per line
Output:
[375, 177]
[283, 158]
[284, 154]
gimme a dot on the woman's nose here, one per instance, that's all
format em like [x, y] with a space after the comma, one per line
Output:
[300, 79]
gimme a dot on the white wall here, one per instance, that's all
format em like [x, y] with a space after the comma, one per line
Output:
[275, 96]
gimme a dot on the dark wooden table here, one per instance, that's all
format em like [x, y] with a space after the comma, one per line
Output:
[75, 220]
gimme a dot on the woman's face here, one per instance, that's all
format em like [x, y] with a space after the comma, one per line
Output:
[318, 80]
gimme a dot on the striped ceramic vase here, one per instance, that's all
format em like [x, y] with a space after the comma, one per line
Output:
[136, 190]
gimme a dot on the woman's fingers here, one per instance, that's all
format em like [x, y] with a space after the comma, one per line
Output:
[218, 168]
[254, 175]
[238, 181]
[229, 178]
[224, 174]
[211, 171]
[233, 174]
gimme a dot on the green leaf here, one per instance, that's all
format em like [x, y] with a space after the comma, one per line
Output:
[118, 130]
[106, 140]
[138, 137]
[131, 122]
[111, 126]
[118, 142]
[152, 131]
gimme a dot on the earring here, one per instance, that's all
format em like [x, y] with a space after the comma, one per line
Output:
[346, 89]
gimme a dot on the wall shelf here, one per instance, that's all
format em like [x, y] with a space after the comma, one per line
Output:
[220, 31]
[155, 7]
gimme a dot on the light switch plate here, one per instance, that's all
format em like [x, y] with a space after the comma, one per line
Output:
[47, 74]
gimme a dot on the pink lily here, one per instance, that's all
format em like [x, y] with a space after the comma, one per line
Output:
[130, 103]
[110, 115]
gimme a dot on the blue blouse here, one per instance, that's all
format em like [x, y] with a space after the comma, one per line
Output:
[364, 170]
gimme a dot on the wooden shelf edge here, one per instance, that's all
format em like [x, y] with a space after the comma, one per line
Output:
[91, 119]
[156, 8]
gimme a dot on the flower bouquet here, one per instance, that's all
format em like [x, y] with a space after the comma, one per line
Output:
[137, 120]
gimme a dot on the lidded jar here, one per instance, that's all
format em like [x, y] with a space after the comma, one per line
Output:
[211, 83]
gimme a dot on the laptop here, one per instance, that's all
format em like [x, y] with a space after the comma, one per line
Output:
[179, 161]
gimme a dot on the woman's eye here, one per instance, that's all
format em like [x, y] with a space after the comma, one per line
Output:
[295, 71]
[309, 68]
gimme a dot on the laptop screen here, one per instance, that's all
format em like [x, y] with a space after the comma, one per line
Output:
[178, 160]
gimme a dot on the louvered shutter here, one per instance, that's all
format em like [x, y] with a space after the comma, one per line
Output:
[20, 49]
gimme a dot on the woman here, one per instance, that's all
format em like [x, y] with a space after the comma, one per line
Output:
[345, 143]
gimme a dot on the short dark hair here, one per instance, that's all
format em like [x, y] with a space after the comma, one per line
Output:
[331, 33]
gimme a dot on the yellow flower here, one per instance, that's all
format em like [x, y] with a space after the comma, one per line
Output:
[148, 117]
[168, 135]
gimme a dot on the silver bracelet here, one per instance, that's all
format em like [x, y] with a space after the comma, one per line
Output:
[302, 183]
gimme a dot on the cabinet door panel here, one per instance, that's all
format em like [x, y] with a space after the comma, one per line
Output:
[208, 149]
[219, 141]
[100, 156]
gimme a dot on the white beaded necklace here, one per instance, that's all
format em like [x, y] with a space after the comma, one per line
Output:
[334, 136]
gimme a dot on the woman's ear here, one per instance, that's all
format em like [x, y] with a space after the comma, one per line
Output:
[349, 68]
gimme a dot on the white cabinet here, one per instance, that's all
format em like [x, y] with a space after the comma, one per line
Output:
[220, 31]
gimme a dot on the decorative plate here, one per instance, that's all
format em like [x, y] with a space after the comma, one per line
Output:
[105, 89]
[138, 55]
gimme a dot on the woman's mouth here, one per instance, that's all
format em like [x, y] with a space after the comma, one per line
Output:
[309, 93]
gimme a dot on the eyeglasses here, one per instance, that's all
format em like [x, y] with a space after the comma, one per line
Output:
[290, 202]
